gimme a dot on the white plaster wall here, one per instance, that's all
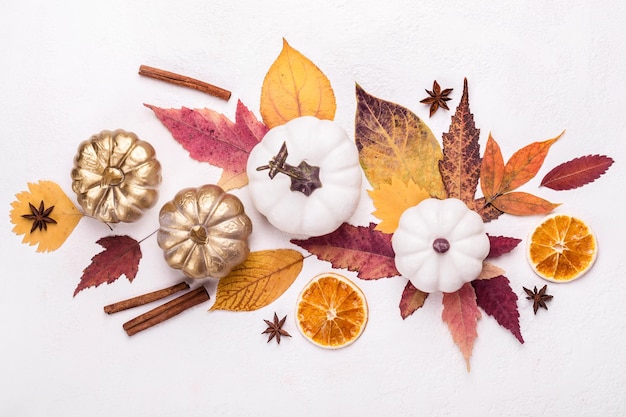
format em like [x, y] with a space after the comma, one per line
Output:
[69, 69]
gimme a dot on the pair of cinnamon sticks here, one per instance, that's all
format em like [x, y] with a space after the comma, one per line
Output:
[161, 313]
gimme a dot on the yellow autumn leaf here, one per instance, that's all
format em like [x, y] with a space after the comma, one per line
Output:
[392, 199]
[392, 141]
[293, 87]
[44, 215]
[259, 280]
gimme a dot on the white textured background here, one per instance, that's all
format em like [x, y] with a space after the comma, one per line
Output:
[69, 70]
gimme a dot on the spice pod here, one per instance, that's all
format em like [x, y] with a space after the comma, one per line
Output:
[115, 176]
[204, 232]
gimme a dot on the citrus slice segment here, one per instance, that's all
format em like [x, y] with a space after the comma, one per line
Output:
[331, 311]
[562, 248]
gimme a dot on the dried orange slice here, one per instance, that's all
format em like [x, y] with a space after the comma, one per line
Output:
[331, 311]
[562, 248]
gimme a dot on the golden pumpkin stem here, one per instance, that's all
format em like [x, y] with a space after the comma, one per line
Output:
[304, 177]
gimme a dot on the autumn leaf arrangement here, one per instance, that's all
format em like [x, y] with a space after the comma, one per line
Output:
[406, 168]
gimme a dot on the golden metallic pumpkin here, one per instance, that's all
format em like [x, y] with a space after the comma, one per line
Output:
[204, 232]
[115, 176]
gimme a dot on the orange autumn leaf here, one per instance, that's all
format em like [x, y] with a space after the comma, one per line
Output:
[492, 169]
[59, 216]
[523, 204]
[293, 87]
[259, 280]
[461, 314]
[392, 199]
[525, 163]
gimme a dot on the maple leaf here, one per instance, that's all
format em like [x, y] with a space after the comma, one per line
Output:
[412, 299]
[461, 314]
[492, 168]
[577, 172]
[393, 141]
[357, 248]
[500, 245]
[460, 166]
[258, 281]
[121, 256]
[392, 199]
[211, 137]
[486, 211]
[293, 87]
[498, 300]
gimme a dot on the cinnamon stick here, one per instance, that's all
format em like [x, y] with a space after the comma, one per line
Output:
[145, 298]
[166, 311]
[184, 81]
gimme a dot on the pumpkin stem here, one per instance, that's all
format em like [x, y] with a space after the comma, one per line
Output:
[304, 177]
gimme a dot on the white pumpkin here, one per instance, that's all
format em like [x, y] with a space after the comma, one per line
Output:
[440, 245]
[286, 187]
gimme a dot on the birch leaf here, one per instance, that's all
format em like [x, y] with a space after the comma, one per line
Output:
[357, 248]
[393, 141]
[258, 281]
[61, 220]
[392, 199]
[293, 87]
[461, 314]
[460, 167]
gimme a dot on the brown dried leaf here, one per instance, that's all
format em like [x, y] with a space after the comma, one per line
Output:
[460, 167]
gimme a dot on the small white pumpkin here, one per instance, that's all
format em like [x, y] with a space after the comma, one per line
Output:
[440, 245]
[305, 177]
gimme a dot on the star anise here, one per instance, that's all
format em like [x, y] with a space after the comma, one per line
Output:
[40, 217]
[438, 98]
[275, 329]
[539, 297]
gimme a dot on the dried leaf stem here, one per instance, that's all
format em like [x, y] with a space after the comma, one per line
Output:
[184, 81]
[145, 298]
[166, 311]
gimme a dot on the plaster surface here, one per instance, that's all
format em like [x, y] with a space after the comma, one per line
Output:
[69, 70]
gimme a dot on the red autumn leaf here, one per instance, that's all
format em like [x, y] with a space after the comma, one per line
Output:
[577, 172]
[499, 245]
[524, 164]
[357, 248]
[523, 204]
[492, 169]
[497, 299]
[461, 314]
[460, 166]
[121, 256]
[211, 137]
[412, 299]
